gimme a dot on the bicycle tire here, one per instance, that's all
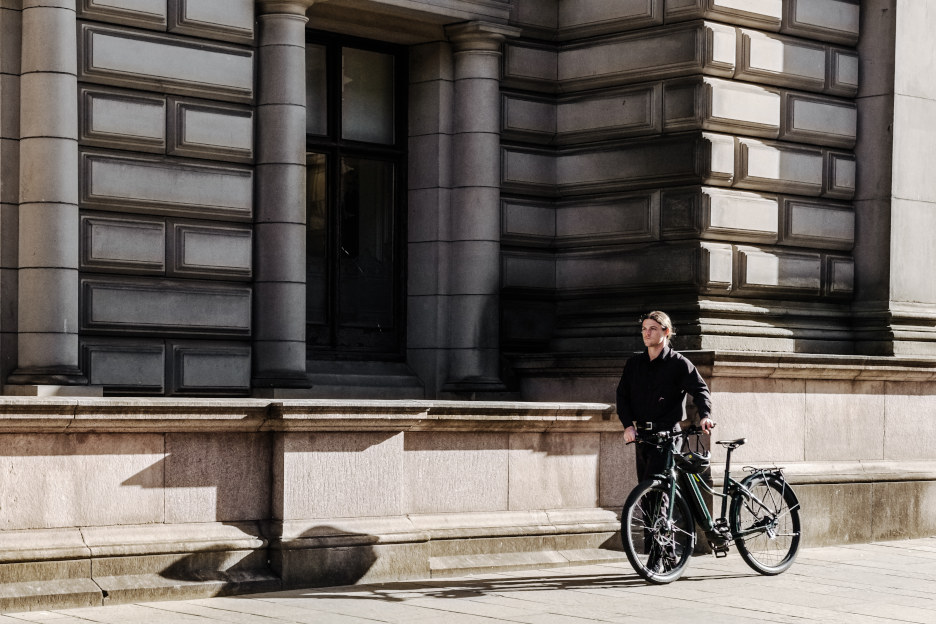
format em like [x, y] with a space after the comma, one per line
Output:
[772, 549]
[657, 549]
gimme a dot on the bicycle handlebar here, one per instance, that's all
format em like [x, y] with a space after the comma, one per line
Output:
[661, 437]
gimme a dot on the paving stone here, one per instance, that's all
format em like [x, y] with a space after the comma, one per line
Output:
[878, 583]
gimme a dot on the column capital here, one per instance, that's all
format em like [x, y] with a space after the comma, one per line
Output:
[288, 7]
[481, 36]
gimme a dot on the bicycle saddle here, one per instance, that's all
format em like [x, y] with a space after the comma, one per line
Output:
[732, 444]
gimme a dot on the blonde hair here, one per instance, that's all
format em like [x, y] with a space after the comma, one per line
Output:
[662, 318]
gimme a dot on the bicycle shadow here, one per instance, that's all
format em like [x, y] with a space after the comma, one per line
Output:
[461, 588]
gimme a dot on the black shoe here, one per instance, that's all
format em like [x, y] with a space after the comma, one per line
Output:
[661, 564]
[719, 546]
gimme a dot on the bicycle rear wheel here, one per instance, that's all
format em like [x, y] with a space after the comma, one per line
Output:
[657, 548]
[766, 524]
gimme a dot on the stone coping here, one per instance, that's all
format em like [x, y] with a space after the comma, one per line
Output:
[762, 365]
[833, 472]
[314, 533]
[61, 415]
[52, 544]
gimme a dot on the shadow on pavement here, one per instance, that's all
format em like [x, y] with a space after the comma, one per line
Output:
[472, 588]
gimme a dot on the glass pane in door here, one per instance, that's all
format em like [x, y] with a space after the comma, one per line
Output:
[365, 254]
[316, 91]
[317, 239]
[367, 96]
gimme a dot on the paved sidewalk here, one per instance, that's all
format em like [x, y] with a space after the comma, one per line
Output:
[880, 582]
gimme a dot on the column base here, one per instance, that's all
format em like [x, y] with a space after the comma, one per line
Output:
[474, 388]
[282, 379]
[46, 390]
[51, 376]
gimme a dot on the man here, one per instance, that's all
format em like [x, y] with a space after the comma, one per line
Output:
[652, 391]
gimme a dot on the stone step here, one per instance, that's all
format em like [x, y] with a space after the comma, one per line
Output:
[85, 592]
[40, 595]
[359, 380]
[152, 587]
[461, 565]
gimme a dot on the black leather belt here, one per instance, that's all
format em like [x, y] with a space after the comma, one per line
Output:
[653, 427]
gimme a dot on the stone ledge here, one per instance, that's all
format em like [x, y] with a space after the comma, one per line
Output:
[833, 472]
[49, 594]
[460, 565]
[762, 365]
[162, 539]
[149, 587]
[79, 415]
[815, 367]
[334, 532]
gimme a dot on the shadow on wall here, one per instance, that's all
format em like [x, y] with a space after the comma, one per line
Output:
[323, 556]
[241, 545]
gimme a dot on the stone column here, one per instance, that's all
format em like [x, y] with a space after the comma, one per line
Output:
[48, 201]
[279, 345]
[474, 263]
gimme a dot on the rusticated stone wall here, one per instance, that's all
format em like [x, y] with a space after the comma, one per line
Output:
[690, 156]
[166, 147]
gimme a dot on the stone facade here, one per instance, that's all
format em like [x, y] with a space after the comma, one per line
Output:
[757, 169]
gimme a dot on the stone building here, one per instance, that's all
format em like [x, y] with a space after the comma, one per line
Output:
[317, 209]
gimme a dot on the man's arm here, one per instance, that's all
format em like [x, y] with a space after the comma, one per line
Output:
[695, 386]
[623, 407]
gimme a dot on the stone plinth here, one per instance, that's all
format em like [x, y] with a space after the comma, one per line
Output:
[117, 500]
[152, 499]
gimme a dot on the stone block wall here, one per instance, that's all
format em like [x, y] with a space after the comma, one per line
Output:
[167, 140]
[118, 500]
[691, 156]
[110, 501]
[163, 247]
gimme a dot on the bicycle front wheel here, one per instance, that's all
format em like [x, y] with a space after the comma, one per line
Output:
[657, 547]
[765, 524]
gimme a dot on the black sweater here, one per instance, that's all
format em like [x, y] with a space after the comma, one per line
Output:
[654, 391]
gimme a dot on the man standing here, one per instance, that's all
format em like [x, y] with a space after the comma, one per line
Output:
[652, 391]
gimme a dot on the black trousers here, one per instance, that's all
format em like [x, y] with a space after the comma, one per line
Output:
[650, 461]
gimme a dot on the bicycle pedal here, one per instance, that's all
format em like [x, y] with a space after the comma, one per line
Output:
[719, 550]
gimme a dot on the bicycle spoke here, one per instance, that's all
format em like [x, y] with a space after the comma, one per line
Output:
[766, 525]
[658, 540]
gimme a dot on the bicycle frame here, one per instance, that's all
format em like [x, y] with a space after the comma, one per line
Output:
[683, 483]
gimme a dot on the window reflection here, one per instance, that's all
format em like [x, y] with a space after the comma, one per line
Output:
[316, 90]
[366, 234]
[367, 96]
[316, 239]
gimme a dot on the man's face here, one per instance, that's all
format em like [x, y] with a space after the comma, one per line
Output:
[653, 333]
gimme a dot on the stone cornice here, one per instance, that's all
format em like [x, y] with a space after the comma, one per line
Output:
[83, 415]
[814, 366]
[747, 364]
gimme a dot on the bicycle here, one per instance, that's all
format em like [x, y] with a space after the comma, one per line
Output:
[659, 518]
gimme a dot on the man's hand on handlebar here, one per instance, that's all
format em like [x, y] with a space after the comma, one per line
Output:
[630, 435]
